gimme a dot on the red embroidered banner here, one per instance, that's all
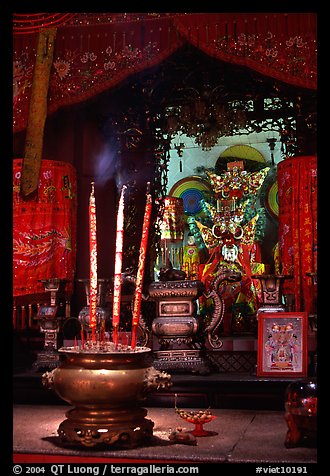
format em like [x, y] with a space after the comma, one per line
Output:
[297, 198]
[280, 45]
[44, 230]
[94, 52]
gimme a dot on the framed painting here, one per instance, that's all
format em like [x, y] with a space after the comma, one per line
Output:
[282, 344]
[47, 311]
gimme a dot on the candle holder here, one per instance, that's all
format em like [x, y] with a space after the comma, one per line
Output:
[50, 322]
[313, 313]
[271, 292]
[312, 318]
[103, 314]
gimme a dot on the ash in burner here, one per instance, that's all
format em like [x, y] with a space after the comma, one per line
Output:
[90, 347]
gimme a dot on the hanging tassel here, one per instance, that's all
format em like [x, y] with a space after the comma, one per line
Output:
[180, 165]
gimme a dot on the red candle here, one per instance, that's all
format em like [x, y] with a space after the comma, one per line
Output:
[141, 266]
[92, 264]
[118, 267]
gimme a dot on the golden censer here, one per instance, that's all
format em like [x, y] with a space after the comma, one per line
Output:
[106, 388]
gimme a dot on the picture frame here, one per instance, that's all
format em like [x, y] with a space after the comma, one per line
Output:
[282, 344]
[47, 311]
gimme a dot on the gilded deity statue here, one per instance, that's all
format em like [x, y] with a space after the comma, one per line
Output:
[230, 239]
[191, 258]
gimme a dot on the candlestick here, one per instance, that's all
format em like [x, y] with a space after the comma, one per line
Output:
[93, 263]
[23, 317]
[102, 332]
[118, 267]
[141, 266]
[82, 337]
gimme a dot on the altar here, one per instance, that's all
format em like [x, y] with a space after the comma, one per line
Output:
[237, 436]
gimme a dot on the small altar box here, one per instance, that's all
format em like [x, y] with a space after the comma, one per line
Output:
[239, 164]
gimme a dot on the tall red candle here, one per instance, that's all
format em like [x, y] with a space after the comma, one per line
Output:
[141, 266]
[118, 267]
[92, 263]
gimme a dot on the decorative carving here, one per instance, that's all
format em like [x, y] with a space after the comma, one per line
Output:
[166, 289]
[47, 380]
[224, 272]
[154, 380]
[177, 329]
[130, 436]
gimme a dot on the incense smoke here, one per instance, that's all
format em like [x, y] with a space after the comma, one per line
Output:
[105, 164]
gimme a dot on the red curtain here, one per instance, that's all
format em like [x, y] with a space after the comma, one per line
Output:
[280, 45]
[44, 230]
[94, 52]
[297, 199]
[89, 59]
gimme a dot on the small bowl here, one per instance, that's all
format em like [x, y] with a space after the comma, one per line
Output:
[197, 418]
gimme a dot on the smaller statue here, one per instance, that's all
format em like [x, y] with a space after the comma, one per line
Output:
[191, 258]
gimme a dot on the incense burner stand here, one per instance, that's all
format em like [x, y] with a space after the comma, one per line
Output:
[177, 326]
[50, 323]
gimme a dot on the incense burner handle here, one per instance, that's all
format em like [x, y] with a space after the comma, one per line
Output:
[47, 379]
[155, 380]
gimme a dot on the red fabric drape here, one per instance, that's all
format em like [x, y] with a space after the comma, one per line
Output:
[92, 56]
[44, 230]
[25, 23]
[280, 45]
[89, 59]
[297, 198]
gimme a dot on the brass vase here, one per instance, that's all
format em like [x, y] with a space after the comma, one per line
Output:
[107, 390]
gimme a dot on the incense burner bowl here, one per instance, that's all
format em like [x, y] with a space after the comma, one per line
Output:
[106, 390]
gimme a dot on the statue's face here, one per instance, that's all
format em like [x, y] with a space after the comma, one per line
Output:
[229, 253]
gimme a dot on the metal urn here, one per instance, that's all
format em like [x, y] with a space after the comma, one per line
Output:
[271, 292]
[103, 314]
[177, 326]
[106, 389]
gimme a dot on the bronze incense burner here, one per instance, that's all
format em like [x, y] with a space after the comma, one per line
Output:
[106, 388]
[177, 326]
